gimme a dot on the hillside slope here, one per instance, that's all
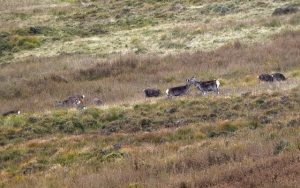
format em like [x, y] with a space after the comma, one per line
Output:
[247, 136]
[112, 50]
[202, 142]
[51, 27]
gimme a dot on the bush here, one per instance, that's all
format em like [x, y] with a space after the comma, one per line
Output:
[11, 155]
[66, 159]
[218, 8]
[15, 121]
[280, 147]
[112, 115]
[228, 126]
[273, 23]
[112, 156]
[4, 43]
[14, 43]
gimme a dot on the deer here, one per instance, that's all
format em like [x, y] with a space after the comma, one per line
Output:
[206, 86]
[151, 92]
[71, 101]
[11, 112]
[179, 90]
[265, 78]
[272, 77]
[278, 76]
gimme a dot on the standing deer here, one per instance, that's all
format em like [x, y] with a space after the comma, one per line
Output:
[271, 77]
[278, 77]
[206, 86]
[11, 112]
[179, 90]
[71, 101]
[266, 78]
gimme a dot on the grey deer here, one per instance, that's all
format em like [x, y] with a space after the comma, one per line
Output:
[179, 90]
[206, 86]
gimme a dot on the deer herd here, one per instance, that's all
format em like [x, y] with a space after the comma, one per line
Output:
[203, 86]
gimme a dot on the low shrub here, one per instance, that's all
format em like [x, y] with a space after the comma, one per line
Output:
[280, 146]
[273, 23]
[14, 43]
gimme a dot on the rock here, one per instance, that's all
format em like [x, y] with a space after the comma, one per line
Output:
[97, 101]
[171, 110]
[287, 9]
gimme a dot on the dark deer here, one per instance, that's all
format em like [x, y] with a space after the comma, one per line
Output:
[266, 78]
[179, 90]
[11, 112]
[206, 86]
[278, 77]
[151, 92]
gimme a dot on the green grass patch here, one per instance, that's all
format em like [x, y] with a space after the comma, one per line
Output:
[14, 43]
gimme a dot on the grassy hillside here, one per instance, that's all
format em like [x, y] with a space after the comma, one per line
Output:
[248, 136]
[210, 141]
[52, 27]
[57, 41]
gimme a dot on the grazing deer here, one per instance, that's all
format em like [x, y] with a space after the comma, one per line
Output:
[271, 77]
[71, 101]
[11, 112]
[179, 90]
[206, 86]
[278, 77]
[265, 78]
[151, 92]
